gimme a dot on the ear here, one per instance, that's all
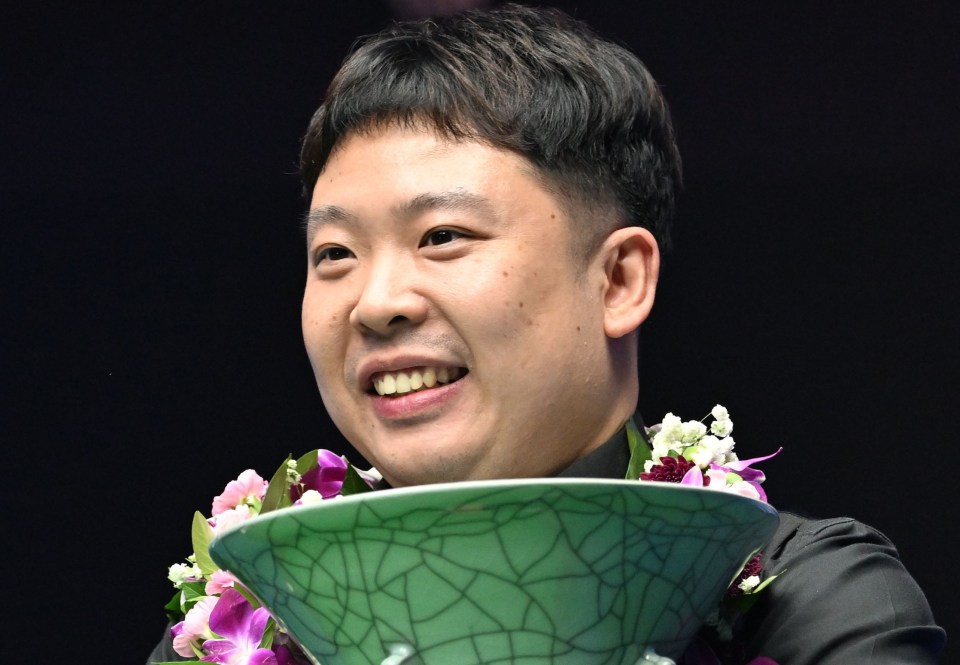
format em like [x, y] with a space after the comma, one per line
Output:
[631, 264]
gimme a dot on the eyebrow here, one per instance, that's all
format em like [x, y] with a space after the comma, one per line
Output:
[319, 217]
[456, 200]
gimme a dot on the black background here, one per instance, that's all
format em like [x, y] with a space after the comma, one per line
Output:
[152, 267]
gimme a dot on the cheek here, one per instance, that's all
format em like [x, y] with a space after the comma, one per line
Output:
[513, 307]
[497, 298]
[323, 332]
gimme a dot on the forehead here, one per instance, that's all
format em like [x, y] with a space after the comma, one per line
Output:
[403, 172]
[395, 146]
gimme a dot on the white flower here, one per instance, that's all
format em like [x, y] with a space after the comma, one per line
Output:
[720, 449]
[719, 412]
[692, 430]
[700, 455]
[309, 497]
[749, 584]
[671, 432]
[181, 572]
[721, 427]
[660, 449]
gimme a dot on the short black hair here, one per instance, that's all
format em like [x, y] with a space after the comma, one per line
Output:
[583, 110]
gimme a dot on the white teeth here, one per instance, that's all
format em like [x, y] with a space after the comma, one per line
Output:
[416, 379]
[388, 385]
[401, 383]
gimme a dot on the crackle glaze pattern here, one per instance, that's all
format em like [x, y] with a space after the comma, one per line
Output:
[545, 572]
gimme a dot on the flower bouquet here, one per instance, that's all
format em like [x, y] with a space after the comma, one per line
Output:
[218, 619]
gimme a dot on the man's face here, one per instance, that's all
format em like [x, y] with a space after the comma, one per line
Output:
[452, 333]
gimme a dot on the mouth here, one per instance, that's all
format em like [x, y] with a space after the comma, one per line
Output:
[415, 379]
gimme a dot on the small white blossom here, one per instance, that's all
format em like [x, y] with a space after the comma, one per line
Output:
[309, 497]
[719, 412]
[181, 572]
[721, 448]
[749, 584]
[692, 431]
[660, 449]
[721, 427]
[699, 455]
[293, 476]
[671, 432]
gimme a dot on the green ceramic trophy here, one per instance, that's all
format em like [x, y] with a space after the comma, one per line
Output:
[532, 572]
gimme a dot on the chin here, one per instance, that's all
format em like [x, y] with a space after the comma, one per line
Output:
[428, 468]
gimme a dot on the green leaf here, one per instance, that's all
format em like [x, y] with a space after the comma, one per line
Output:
[184, 599]
[173, 608]
[744, 602]
[202, 535]
[639, 451]
[760, 587]
[307, 462]
[246, 593]
[278, 494]
[268, 633]
[353, 483]
[192, 592]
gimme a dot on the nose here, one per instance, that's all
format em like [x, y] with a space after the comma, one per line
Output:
[389, 300]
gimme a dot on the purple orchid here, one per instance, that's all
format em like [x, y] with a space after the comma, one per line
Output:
[241, 627]
[749, 476]
[326, 478]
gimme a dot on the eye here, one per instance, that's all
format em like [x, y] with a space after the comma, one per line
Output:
[440, 237]
[332, 253]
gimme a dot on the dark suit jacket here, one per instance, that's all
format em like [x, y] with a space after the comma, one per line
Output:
[844, 597]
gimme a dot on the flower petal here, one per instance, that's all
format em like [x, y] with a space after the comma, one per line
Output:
[744, 464]
[693, 477]
[327, 477]
[235, 619]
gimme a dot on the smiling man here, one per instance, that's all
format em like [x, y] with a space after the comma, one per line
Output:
[488, 197]
[489, 194]
[484, 199]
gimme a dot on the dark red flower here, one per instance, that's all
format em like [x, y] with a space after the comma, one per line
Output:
[753, 567]
[671, 470]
